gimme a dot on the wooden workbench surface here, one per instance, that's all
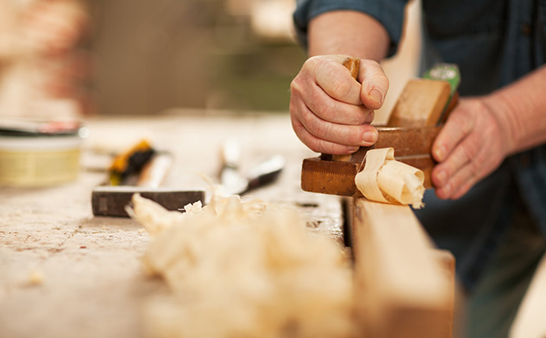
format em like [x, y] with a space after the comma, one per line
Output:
[92, 283]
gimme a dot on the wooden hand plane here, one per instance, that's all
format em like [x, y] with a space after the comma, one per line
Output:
[414, 123]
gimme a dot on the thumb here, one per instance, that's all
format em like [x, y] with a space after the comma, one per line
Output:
[375, 84]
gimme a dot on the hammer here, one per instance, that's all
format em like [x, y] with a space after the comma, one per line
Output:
[112, 200]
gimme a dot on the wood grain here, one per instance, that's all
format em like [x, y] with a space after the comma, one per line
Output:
[402, 290]
[425, 111]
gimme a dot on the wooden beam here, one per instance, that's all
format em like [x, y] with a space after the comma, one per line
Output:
[404, 289]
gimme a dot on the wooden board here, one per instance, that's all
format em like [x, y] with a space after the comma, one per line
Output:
[426, 111]
[93, 284]
[404, 289]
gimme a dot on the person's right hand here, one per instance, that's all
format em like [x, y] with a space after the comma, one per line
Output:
[330, 111]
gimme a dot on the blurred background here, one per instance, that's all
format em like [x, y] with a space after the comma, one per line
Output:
[215, 54]
[138, 57]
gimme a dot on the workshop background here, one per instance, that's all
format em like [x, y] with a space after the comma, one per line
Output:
[151, 56]
[217, 54]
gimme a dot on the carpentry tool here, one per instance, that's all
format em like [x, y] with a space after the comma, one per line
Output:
[112, 200]
[235, 182]
[412, 128]
[130, 162]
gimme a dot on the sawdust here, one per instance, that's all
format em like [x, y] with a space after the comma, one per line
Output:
[244, 269]
[386, 180]
[35, 278]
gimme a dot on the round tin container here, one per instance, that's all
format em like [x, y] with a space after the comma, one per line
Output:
[39, 156]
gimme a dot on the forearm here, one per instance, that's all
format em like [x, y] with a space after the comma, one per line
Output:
[350, 33]
[522, 110]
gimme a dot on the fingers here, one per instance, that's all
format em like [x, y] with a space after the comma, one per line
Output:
[456, 148]
[326, 106]
[333, 78]
[458, 185]
[375, 84]
[330, 109]
[469, 147]
[461, 171]
[335, 144]
[356, 135]
[370, 89]
[457, 128]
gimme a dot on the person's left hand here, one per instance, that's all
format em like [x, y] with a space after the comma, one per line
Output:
[472, 144]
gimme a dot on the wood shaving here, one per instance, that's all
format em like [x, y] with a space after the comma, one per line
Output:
[35, 278]
[386, 180]
[241, 268]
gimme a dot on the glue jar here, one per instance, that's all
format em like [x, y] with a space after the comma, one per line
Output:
[39, 154]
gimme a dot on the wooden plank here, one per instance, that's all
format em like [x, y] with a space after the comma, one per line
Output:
[529, 322]
[446, 261]
[422, 112]
[401, 289]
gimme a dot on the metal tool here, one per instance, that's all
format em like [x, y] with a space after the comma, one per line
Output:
[111, 200]
[328, 174]
[232, 178]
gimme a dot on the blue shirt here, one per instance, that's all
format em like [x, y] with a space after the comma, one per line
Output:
[494, 42]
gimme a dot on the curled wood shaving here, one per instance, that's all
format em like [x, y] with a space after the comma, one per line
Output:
[241, 268]
[386, 180]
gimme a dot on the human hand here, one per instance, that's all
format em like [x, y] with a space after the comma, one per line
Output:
[330, 111]
[473, 143]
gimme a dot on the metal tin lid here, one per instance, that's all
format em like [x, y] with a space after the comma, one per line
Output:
[36, 128]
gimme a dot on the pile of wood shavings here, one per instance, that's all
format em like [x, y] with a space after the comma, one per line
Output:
[244, 269]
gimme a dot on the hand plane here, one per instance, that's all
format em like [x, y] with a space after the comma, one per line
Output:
[414, 123]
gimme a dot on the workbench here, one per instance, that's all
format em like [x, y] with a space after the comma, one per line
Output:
[65, 273]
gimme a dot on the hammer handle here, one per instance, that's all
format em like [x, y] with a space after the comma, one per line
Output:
[155, 171]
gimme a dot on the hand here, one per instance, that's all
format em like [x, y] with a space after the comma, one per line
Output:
[472, 144]
[330, 111]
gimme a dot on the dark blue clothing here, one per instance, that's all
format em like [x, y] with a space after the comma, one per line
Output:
[494, 42]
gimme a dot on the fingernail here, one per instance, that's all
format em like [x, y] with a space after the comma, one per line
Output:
[353, 149]
[440, 153]
[369, 118]
[376, 95]
[369, 137]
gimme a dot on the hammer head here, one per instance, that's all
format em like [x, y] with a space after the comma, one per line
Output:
[411, 146]
[112, 200]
